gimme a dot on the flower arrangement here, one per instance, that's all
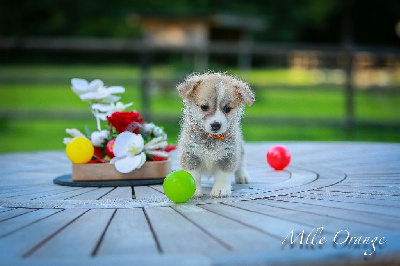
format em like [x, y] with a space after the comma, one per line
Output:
[126, 141]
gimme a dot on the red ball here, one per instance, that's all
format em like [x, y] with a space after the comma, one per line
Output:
[278, 157]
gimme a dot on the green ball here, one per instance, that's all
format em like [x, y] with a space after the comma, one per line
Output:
[179, 186]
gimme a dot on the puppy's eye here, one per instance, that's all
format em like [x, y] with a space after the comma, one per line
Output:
[227, 109]
[205, 107]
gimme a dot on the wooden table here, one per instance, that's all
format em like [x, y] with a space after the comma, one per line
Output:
[331, 191]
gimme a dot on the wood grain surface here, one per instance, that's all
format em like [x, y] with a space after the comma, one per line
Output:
[340, 199]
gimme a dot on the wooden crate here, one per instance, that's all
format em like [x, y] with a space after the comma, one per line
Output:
[107, 171]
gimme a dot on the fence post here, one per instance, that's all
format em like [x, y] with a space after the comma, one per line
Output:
[244, 54]
[201, 58]
[349, 91]
[145, 62]
[347, 41]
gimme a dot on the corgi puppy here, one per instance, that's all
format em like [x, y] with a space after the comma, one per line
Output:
[210, 141]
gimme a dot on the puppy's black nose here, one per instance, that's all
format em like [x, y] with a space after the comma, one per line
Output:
[215, 126]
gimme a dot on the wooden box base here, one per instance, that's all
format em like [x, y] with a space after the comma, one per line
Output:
[107, 172]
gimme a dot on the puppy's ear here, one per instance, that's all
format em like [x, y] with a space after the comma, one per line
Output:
[188, 86]
[244, 92]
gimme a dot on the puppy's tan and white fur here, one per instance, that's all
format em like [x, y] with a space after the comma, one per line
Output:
[211, 142]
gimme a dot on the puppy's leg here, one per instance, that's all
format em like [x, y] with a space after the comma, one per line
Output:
[197, 178]
[241, 175]
[222, 184]
[192, 164]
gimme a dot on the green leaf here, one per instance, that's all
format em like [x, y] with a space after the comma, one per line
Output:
[88, 131]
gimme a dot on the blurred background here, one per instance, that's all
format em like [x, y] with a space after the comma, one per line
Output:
[322, 70]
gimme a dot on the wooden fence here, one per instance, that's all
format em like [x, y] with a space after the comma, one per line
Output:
[344, 57]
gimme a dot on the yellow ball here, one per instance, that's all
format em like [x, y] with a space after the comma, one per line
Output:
[80, 150]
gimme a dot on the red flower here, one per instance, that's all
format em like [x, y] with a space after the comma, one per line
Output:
[158, 158]
[110, 148]
[170, 148]
[98, 153]
[125, 121]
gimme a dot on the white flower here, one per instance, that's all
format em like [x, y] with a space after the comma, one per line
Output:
[74, 133]
[156, 146]
[111, 108]
[81, 86]
[128, 151]
[108, 109]
[151, 128]
[95, 90]
[67, 140]
[158, 131]
[101, 116]
[99, 137]
[148, 127]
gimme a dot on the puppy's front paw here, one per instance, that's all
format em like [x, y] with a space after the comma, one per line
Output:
[242, 177]
[220, 192]
[242, 180]
[198, 193]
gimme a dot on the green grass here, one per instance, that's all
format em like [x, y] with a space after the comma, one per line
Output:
[318, 133]
[41, 72]
[277, 104]
[277, 76]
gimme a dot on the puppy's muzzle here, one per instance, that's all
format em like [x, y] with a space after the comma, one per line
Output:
[215, 126]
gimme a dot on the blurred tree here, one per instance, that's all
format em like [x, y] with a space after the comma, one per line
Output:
[288, 20]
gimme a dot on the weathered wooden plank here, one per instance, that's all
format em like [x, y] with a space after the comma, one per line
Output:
[64, 194]
[25, 240]
[392, 211]
[128, 233]
[232, 234]
[382, 173]
[366, 171]
[368, 166]
[133, 259]
[119, 193]
[40, 194]
[372, 176]
[275, 227]
[298, 178]
[259, 173]
[335, 207]
[372, 183]
[341, 211]
[6, 188]
[369, 199]
[330, 224]
[176, 234]
[345, 200]
[13, 213]
[159, 188]
[2, 209]
[16, 223]
[373, 179]
[148, 193]
[25, 177]
[94, 194]
[33, 190]
[367, 190]
[357, 187]
[79, 238]
[365, 202]
[353, 154]
[372, 198]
